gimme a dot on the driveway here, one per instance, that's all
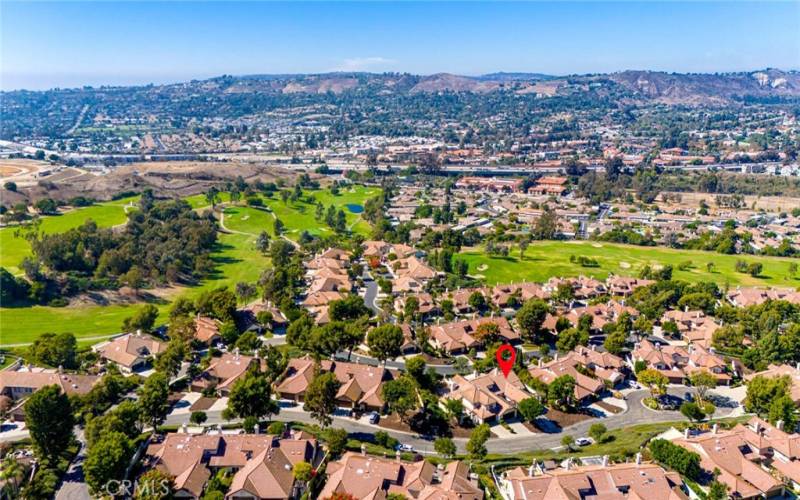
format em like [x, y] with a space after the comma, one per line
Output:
[74, 485]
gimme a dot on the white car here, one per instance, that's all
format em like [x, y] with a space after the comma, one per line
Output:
[583, 441]
[404, 447]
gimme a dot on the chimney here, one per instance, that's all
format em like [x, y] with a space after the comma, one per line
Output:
[714, 428]
[363, 449]
[568, 464]
[60, 369]
[397, 455]
[184, 428]
[605, 460]
[638, 459]
[686, 433]
[138, 333]
[594, 347]
[779, 425]
[531, 469]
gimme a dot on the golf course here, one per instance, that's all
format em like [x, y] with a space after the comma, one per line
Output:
[235, 256]
[545, 259]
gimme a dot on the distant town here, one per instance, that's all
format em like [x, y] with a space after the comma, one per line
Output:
[303, 287]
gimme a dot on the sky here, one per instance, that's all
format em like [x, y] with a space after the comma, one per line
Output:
[69, 44]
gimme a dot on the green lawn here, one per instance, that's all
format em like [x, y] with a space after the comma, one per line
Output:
[14, 247]
[551, 258]
[236, 258]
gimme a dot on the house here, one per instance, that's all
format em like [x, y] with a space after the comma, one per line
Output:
[606, 366]
[777, 449]
[586, 387]
[667, 360]
[490, 184]
[206, 330]
[370, 478]
[223, 372]
[425, 304]
[459, 336]
[633, 481]
[549, 186]
[625, 286]
[600, 314]
[360, 384]
[261, 464]
[694, 326]
[487, 397]
[131, 352]
[16, 385]
[739, 465]
[751, 296]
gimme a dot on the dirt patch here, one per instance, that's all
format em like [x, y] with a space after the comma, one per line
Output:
[125, 296]
[609, 407]
[562, 419]
[393, 422]
[597, 245]
[531, 427]
[483, 267]
[203, 404]
[624, 265]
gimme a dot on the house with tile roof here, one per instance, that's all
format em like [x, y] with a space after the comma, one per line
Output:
[360, 385]
[633, 481]
[261, 464]
[487, 397]
[373, 478]
[586, 386]
[223, 372]
[459, 336]
[130, 352]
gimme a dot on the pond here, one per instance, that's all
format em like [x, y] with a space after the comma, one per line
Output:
[354, 208]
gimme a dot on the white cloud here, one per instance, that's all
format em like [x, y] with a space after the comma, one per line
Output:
[365, 63]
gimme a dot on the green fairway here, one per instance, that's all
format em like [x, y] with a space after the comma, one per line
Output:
[236, 258]
[14, 247]
[551, 258]
[300, 216]
[236, 261]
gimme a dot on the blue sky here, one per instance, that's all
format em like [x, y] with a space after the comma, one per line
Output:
[72, 43]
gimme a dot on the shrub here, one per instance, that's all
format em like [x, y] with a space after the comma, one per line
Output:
[676, 457]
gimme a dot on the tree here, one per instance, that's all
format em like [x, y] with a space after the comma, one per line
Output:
[154, 399]
[198, 417]
[653, 380]
[55, 350]
[336, 439]
[783, 410]
[302, 471]
[546, 226]
[477, 301]
[717, 491]
[702, 381]
[48, 417]
[476, 446]
[445, 446]
[385, 341]
[134, 278]
[615, 341]
[762, 391]
[348, 309]
[567, 441]
[598, 432]
[11, 472]
[262, 243]
[320, 398]
[676, 457]
[154, 485]
[169, 361]
[107, 460]
[530, 409]
[531, 316]
[212, 196]
[561, 391]
[401, 396]
[144, 319]
[692, 411]
[245, 291]
[454, 409]
[281, 252]
[250, 396]
[570, 338]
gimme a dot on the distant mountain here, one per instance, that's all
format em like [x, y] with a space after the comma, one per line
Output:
[699, 88]
[515, 77]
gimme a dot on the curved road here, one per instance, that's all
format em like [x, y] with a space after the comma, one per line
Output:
[634, 415]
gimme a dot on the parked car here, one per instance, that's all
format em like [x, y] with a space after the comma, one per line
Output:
[404, 447]
[634, 384]
[373, 417]
[688, 397]
[583, 441]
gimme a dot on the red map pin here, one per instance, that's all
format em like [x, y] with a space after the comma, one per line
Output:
[505, 358]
